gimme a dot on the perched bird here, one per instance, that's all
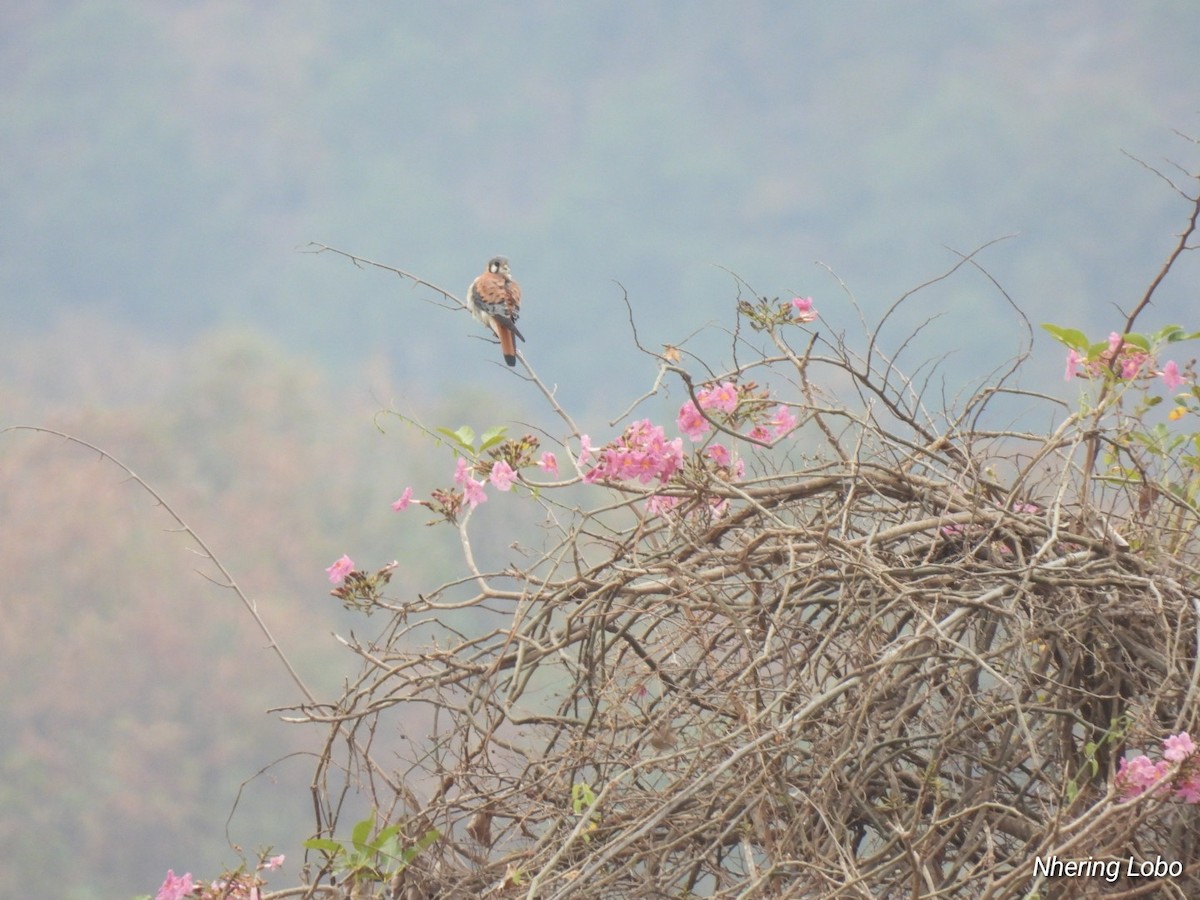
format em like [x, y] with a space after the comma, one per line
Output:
[495, 300]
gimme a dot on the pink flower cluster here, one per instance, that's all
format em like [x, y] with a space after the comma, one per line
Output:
[472, 489]
[176, 887]
[642, 452]
[502, 476]
[1132, 362]
[775, 427]
[724, 398]
[1178, 772]
[241, 886]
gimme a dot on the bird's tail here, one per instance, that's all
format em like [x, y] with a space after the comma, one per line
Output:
[507, 346]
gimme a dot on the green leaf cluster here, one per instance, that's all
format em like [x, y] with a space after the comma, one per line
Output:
[366, 857]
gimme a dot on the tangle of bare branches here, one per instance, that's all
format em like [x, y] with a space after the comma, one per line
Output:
[900, 655]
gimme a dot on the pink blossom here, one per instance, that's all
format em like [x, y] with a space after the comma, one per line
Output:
[473, 492]
[1178, 747]
[804, 309]
[691, 422]
[783, 421]
[405, 499]
[1135, 775]
[723, 397]
[502, 475]
[340, 569]
[1114, 341]
[585, 449]
[739, 468]
[1132, 364]
[1189, 789]
[760, 433]
[641, 465]
[1073, 361]
[548, 463]
[1170, 376]
[641, 452]
[673, 454]
[461, 475]
[658, 504]
[719, 454]
[274, 862]
[176, 887]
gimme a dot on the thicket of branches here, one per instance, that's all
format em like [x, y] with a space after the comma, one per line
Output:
[900, 653]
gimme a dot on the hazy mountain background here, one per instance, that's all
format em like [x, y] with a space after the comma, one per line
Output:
[161, 164]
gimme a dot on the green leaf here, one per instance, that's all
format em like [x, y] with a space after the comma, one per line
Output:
[463, 437]
[1133, 339]
[427, 840]
[389, 850]
[1072, 337]
[492, 437]
[384, 836]
[362, 831]
[1172, 334]
[582, 797]
[325, 844]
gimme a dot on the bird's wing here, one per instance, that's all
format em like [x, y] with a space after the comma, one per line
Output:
[499, 298]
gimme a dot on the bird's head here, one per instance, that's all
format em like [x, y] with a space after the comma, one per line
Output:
[499, 265]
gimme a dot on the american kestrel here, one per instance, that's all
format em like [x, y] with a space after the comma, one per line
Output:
[495, 300]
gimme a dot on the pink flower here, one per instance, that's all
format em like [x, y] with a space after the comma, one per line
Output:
[1178, 747]
[783, 421]
[1189, 789]
[1114, 341]
[461, 475]
[1073, 361]
[473, 492]
[585, 449]
[719, 454]
[548, 463]
[723, 397]
[274, 862]
[691, 422]
[642, 465]
[405, 499]
[672, 457]
[642, 452]
[1170, 376]
[658, 504]
[340, 569]
[760, 433]
[176, 887]
[804, 309]
[1135, 775]
[1132, 364]
[502, 475]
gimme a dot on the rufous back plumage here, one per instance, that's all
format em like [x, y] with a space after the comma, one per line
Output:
[494, 299]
